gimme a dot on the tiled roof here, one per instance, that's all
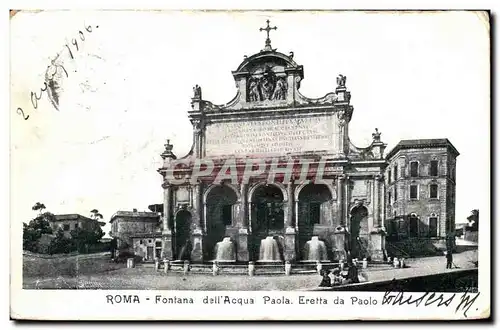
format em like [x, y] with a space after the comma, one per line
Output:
[135, 214]
[423, 143]
[62, 217]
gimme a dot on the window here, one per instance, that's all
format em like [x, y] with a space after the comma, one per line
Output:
[76, 225]
[433, 191]
[413, 191]
[150, 241]
[413, 225]
[414, 169]
[314, 213]
[66, 227]
[140, 241]
[395, 172]
[434, 168]
[158, 244]
[433, 227]
[227, 215]
[389, 198]
[389, 177]
[395, 193]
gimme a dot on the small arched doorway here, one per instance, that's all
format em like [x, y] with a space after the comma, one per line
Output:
[183, 244]
[220, 207]
[359, 232]
[314, 208]
[267, 216]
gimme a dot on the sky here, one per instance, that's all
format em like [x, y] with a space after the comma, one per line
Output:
[129, 86]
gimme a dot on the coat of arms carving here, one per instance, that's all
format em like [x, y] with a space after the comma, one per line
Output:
[267, 87]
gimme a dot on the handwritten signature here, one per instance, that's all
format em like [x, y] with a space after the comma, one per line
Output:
[465, 301]
[50, 84]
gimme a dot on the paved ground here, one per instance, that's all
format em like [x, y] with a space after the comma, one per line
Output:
[143, 278]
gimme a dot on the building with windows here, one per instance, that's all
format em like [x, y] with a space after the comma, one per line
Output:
[138, 232]
[420, 190]
[69, 222]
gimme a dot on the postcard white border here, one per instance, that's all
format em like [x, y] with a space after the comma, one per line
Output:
[76, 304]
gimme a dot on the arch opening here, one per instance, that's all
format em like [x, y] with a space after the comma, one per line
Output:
[359, 232]
[220, 209]
[267, 217]
[183, 244]
[314, 208]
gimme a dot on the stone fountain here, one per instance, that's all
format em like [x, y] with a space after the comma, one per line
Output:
[225, 251]
[315, 250]
[269, 250]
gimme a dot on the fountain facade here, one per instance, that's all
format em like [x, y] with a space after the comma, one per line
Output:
[315, 250]
[225, 251]
[269, 250]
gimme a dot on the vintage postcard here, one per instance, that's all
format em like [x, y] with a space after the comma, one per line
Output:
[250, 165]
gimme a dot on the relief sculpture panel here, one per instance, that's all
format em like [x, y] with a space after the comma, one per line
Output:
[266, 86]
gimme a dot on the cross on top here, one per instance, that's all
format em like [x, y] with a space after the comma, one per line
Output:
[268, 41]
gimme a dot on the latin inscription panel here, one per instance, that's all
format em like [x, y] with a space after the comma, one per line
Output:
[272, 136]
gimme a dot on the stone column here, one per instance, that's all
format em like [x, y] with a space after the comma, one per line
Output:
[242, 244]
[340, 199]
[167, 250]
[289, 205]
[197, 205]
[250, 216]
[382, 202]
[296, 215]
[347, 198]
[197, 138]
[377, 234]
[343, 133]
[376, 198]
[289, 248]
[339, 237]
[242, 218]
[197, 234]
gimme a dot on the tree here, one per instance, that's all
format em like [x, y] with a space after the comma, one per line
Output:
[61, 243]
[38, 207]
[94, 213]
[474, 219]
[84, 239]
[35, 229]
